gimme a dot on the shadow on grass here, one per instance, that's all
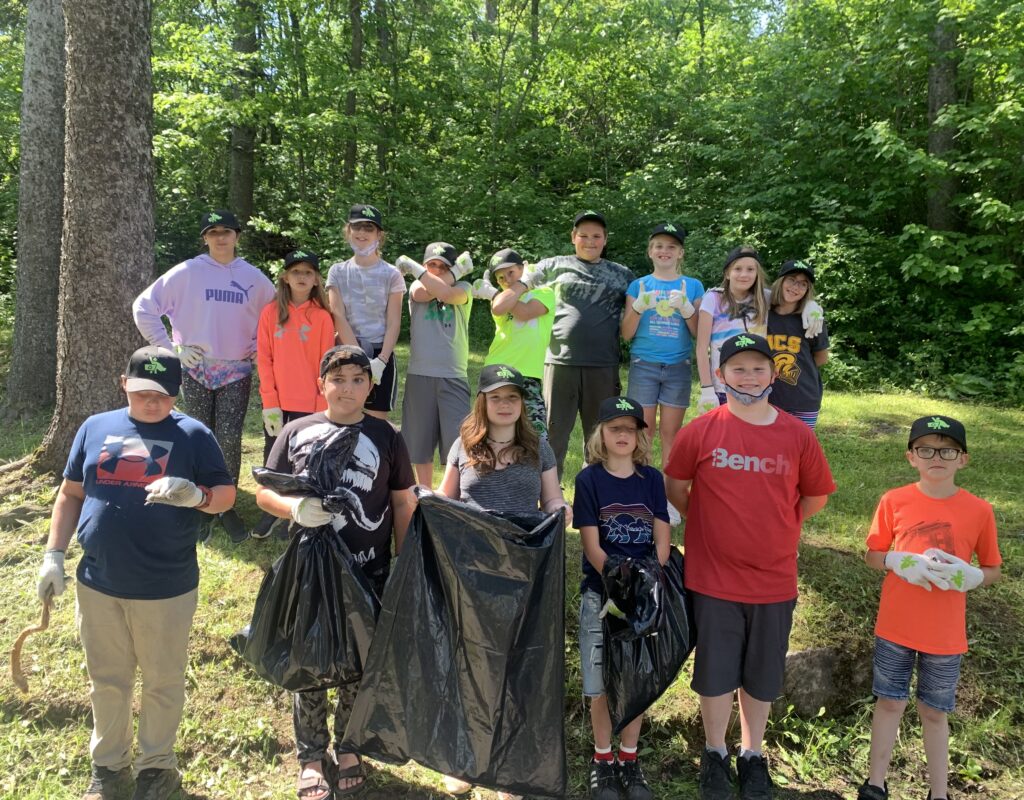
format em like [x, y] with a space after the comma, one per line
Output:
[49, 714]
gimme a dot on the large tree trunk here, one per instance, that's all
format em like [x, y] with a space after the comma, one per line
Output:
[31, 381]
[242, 179]
[355, 64]
[942, 75]
[107, 250]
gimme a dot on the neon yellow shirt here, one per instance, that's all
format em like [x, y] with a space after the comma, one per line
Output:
[522, 344]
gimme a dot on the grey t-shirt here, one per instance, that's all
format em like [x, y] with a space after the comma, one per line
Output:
[439, 336]
[365, 292]
[516, 488]
[589, 297]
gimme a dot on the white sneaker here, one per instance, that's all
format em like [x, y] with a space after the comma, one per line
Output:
[674, 518]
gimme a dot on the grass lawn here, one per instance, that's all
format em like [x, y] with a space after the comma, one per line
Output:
[235, 740]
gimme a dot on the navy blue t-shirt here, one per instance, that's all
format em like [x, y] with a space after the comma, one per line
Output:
[622, 509]
[132, 550]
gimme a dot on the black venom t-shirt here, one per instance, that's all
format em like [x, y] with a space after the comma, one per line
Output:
[379, 464]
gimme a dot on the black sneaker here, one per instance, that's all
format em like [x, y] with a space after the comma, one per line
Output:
[206, 526]
[716, 776]
[755, 782]
[283, 531]
[868, 791]
[604, 782]
[156, 784]
[108, 784]
[234, 526]
[263, 528]
[634, 784]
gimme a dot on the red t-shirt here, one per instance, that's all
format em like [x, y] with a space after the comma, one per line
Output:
[743, 521]
[908, 520]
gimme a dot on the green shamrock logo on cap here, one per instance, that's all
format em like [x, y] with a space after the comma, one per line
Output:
[154, 366]
[495, 259]
[505, 373]
[744, 341]
[624, 405]
[800, 265]
[670, 227]
[370, 212]
[437, 250]
[938, 424]
[214, 217]
[300, 254]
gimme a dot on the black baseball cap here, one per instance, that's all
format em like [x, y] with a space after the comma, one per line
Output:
[153, 369]
[440, 251]
[300, 257]
[362, 212]
[795, 265]
[494, 376]
[744, 343]
[677, 232]
[938, 424]
[590, 216]
[505, 258]
[342, 354]
[743, 251]
[613, 407]
[220, 216]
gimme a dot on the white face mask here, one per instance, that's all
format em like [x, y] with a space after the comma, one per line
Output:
[369, 250]
[747, 399]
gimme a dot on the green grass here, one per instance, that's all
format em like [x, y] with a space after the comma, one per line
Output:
[235, 740]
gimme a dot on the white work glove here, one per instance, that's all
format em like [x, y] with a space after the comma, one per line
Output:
[51, 575]
[645, 301]
[309, 512]
[174, 492]
[813, 318]
[273, 421]
[961, 575]
[483, 289]
[679, 301]
[191, 354]
[915, 568]
[532, 278]
[410, 267]
[463, 265]
[377, 368]
[708, 400]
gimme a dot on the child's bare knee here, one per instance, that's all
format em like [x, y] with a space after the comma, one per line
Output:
[886, 705]
[930, 715]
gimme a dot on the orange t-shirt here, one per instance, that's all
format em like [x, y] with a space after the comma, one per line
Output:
[907, 520]
[288, 357]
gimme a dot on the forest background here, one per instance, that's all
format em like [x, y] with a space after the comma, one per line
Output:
[882, 140]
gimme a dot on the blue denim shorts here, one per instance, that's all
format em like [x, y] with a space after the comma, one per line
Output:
[652, 384]
[937, 676]
[591, 644]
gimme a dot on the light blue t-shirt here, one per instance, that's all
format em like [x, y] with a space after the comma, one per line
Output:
[662, 335]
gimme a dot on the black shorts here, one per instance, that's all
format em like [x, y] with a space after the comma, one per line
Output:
[384, 395]
[740, 644]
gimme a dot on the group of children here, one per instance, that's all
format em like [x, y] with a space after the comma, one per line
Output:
[752, 454]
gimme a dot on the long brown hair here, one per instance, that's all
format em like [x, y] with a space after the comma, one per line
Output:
[777, 298]
[284, 295]
[525, 447]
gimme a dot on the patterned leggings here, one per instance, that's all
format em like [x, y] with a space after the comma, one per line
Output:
[309, 714]
[222, 411]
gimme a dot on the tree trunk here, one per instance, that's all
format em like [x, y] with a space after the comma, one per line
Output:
[355, 64]
[31, 381]
[107, 249]
[942, 75]
[534, 26]
[242, 178]
[491, 10]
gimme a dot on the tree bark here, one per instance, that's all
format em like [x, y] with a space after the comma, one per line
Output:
[491, 10]
[942, 76]
[31, 381]
[355, 64]
[242, 178]
[107, 249]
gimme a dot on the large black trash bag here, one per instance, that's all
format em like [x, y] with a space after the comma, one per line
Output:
[636, 586]
[466, 672]
[638, 669]
[315, 611]
[314, 616]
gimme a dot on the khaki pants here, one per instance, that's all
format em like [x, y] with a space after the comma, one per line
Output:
[119, 635]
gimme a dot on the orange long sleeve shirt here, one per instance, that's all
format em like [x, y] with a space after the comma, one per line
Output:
[288, 356]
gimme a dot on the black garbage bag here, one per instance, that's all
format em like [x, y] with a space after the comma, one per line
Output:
[636, 587]
[314, 616]
[316, 610]
[638, 669]
[466, 672]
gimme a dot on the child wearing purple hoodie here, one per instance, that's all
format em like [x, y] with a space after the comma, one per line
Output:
[213, 302]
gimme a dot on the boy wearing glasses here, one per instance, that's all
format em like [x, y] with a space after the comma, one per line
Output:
[925, 535]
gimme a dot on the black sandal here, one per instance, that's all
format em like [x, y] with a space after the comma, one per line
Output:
[313, 787]
[348, 773]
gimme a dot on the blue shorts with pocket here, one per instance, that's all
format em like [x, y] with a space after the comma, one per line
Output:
[652, 384]
[937, 676]
[591, 644]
